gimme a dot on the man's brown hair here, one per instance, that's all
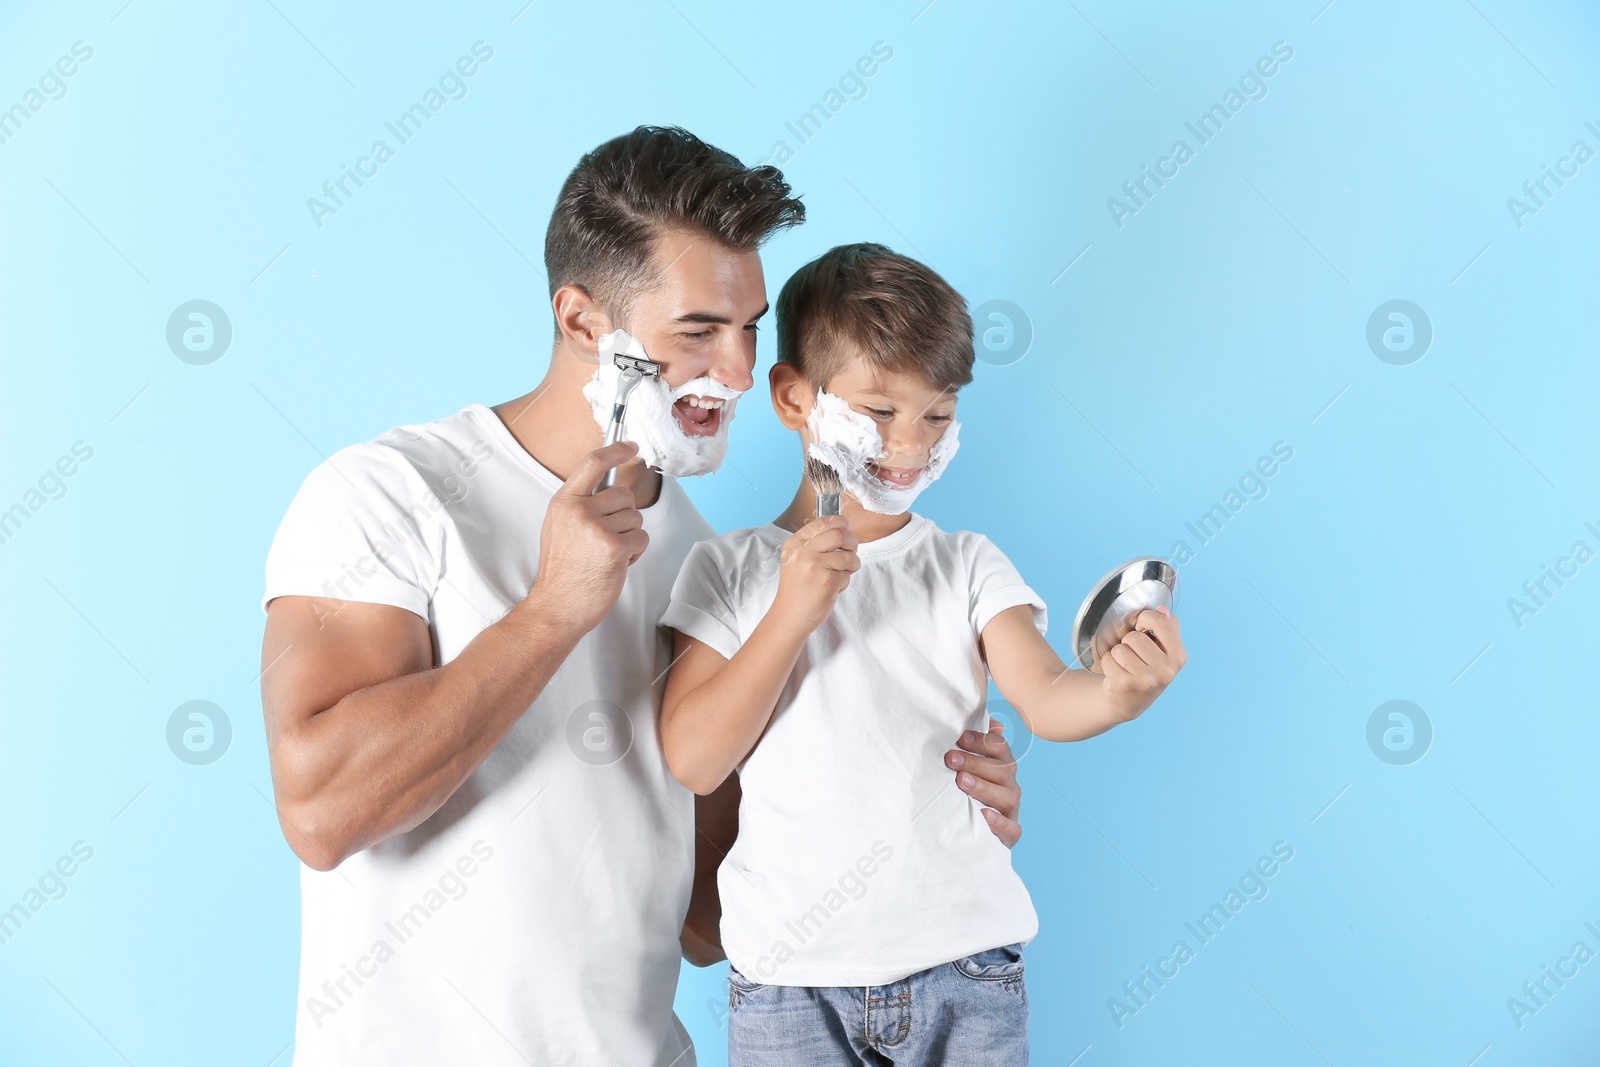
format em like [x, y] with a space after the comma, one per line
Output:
[621, 195]
[866, 301]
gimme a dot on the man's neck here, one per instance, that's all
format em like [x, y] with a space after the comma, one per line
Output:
[555, 425]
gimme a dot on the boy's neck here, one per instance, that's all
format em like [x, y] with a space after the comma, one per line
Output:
[868, 525]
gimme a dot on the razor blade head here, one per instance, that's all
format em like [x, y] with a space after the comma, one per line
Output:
[637, 365]
[634, 369]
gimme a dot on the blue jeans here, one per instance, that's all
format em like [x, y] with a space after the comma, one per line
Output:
[972, 1012]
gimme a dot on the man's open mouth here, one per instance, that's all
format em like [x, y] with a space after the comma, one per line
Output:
[698, 416]
[899, 477]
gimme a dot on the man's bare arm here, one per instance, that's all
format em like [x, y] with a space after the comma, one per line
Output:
[367, 738]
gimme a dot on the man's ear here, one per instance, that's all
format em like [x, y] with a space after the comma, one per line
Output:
[580, 321]
[792, 395]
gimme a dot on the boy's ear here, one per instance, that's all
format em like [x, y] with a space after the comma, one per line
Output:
[792, 395]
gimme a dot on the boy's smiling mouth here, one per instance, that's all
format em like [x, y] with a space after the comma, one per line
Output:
[698, 416]
[900, 477]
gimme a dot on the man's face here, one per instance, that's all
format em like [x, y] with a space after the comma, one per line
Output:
[700, 321]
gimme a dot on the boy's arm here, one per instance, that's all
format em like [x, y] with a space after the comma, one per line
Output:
[715, 709]
[1069, 705]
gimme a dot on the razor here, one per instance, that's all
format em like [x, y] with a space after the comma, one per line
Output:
[635, 369]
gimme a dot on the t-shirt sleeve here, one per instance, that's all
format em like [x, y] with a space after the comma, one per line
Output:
[358, 529]
[995, 586]
[702, 603]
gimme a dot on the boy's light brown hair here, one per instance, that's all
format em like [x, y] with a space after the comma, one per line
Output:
[866, 301]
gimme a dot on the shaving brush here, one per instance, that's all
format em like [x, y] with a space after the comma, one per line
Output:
[825, 483]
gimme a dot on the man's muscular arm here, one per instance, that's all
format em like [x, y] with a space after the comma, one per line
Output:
[367, 738]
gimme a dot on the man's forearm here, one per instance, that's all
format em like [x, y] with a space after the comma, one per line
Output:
[386, 757]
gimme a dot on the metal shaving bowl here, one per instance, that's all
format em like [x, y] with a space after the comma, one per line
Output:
[1111, 607]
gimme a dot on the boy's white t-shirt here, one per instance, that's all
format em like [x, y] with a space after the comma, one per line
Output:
[534, 918]
[858, 860]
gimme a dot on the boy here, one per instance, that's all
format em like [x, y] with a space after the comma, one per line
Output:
[869, 916]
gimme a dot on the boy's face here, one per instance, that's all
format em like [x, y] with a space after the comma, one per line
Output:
[910, 414]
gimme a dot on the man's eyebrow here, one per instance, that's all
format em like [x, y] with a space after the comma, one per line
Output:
[708, 318]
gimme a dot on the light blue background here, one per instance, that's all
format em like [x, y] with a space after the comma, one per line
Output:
[1228, 314]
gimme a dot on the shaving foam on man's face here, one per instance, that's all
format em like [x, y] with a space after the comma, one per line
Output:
[680, 431]
[849, 442]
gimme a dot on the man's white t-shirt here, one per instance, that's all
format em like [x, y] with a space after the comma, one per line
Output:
[534, 918]
[858, 860]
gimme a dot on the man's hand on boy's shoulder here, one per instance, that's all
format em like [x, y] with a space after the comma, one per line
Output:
[987, 771]
[1139, 668]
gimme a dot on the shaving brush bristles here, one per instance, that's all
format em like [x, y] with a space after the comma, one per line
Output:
[825, 483]
[823, 478]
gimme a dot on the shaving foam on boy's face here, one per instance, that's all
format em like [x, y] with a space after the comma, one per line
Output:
[680, 431]
[849, 442]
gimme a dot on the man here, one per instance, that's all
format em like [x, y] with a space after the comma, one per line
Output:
[462, 666]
